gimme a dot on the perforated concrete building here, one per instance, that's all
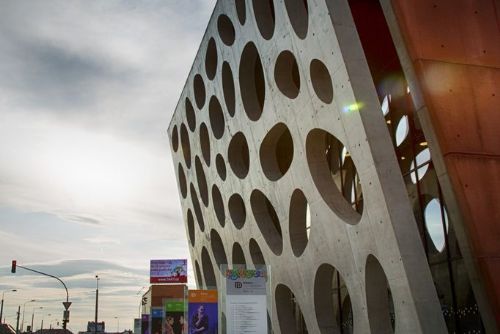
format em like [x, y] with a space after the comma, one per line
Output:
[310, 137]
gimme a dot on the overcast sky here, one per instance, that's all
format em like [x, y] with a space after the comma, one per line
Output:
[87, 186]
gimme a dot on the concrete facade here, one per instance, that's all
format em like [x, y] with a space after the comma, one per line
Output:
[284, 158]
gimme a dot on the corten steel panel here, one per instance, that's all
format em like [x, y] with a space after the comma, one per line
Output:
[333, 76]
[455, 50]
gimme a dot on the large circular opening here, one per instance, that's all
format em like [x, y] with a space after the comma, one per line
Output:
[378, 297]
[208, 270]
[190, 224]
[218, 203]
[252, 82]
[265, 17]
[228, 88]
[238, 155]
[238, 255]
[300, 222]
[332, 302]
[218, 249]
[276, 152]
[321, 81]
[220, 166]
[190, 116]
[299, 16]
[267, 221]
[226, 30]
[186, 147]
[237, 210]
[205, 143]
[334, 174]
[197, 208]
[286, 74]
[175, 138]
[211, 59]
[216, 115]
[202, 181]
[436, 223]
[241, 11]
[256, 254]
[199, 91]
[290, 317]
[182, 180]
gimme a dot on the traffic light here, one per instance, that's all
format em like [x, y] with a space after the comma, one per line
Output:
[14, 263]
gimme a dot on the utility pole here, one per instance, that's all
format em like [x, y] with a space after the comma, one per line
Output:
[96, 302]
[18, 314]
[1, 307]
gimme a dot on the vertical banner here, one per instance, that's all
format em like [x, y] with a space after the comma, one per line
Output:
[175, 313]
[203, 312]
[246, 300]
[145, 324]
[156, 320]
[137, 325]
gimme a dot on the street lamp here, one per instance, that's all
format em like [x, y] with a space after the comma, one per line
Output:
[33, 316]
[96, 302]
[24, 309]
[1, 307]
[140, 302]
[117, 324]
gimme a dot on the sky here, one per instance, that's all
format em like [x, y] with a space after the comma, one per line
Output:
[87, 184]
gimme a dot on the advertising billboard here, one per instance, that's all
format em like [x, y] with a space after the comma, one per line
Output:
[168, 271]
[175, 313]
[202, 311]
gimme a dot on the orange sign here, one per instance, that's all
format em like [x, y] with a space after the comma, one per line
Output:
[202, 296]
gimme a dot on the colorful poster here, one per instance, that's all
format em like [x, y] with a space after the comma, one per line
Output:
[156, 320]
[145, 324]
[203, 312]
[137, 325]
[168, 271]
[246, 310]
[175, 313]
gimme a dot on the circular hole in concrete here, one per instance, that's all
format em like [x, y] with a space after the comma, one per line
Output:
[265, 17]
[211, 59]
[190, 224]
[299, 16]
[190, 116]
[221, 166]
[252, 82]
[197, 208]
[267, 220]
[402, 130]
[226, 30]
[228, 88]
[199, 278]
[276, 152]
[321, 81]
[333, 179]
[205, 143]
[422, 159]
[216, 115]
[436, 222]
[238, 155]
[238, 255]
[186, 147]
[208, 270]
[199, 91]
[288, 308]
[286, 74]
[175, 138]
[299, 223]
[202, 181]
[378, 297]
[182, 180]
[241, 11]
[256, 253]
[331, 301]
[218, 249]
[237, 210]
[218, 203]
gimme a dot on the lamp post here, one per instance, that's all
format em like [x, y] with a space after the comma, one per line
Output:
[1, 307]
[117, 324]
[140, 302]
[33, 316]
[24, 309]
[96, 302]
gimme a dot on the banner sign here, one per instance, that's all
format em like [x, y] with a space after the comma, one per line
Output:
[203, 311]
[137, 325]
[168, 271]
[175, 313]
[246, 308]
[145, 324]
